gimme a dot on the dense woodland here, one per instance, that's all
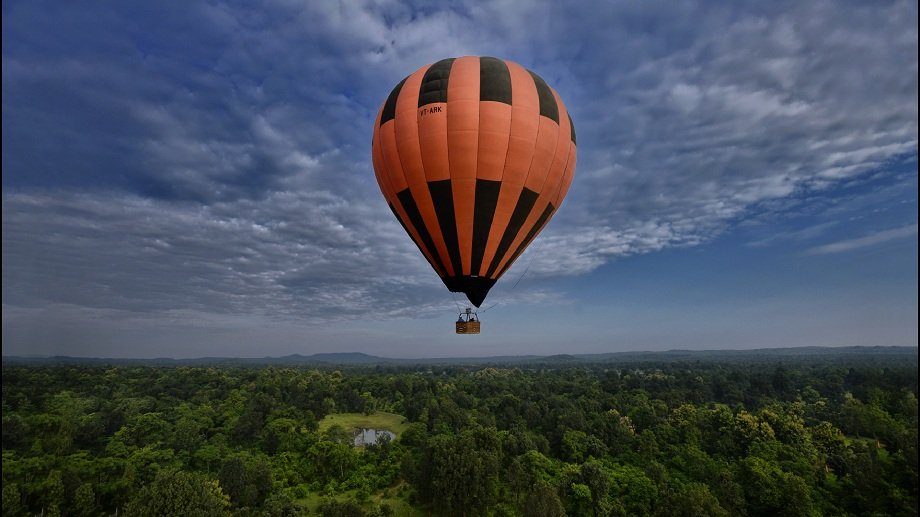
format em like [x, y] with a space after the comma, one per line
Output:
[784, 436]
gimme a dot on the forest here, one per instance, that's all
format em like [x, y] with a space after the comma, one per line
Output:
[781, 435]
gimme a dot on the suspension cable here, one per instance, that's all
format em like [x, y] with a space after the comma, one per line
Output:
[489, 307]
[533, 255]
[454, 298]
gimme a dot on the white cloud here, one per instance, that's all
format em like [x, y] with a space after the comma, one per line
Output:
[687, 97]
[807, 233]
[294, 256]
[865, 241]
[748, 110]
[218, 160]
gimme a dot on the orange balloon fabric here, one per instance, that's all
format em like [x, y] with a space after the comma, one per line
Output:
[473, 155]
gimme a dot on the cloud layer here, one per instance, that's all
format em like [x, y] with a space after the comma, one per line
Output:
[214, 158]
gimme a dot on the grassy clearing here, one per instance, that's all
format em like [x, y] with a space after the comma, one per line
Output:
[355, 421]
[395, 496]
[399, 505]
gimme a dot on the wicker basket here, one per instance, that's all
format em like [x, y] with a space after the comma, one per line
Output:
[467, 327]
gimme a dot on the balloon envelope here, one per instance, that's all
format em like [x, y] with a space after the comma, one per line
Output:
[473, 155]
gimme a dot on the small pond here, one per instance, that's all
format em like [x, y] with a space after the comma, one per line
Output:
[371, 436]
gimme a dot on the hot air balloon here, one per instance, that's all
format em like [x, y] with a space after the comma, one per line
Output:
[473, 156]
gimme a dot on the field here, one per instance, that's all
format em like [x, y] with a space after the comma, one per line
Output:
[392, 498]
[356, 421]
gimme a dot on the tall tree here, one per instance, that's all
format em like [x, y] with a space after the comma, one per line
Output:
[174, 492]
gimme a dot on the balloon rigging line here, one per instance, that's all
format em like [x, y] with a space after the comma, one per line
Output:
[489, 307]
[522, 275]
[454, 298]
[532, 256]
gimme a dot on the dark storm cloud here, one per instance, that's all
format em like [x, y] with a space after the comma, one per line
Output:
[213, 159]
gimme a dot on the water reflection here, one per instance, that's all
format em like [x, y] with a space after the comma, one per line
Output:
[372, 436]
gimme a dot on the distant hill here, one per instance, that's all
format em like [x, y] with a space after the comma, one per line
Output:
[560, 358]
[344, 358]
[884, 354]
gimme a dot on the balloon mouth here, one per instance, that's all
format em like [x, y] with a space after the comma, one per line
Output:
[474, 287]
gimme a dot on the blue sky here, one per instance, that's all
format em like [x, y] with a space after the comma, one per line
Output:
[191, 179]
